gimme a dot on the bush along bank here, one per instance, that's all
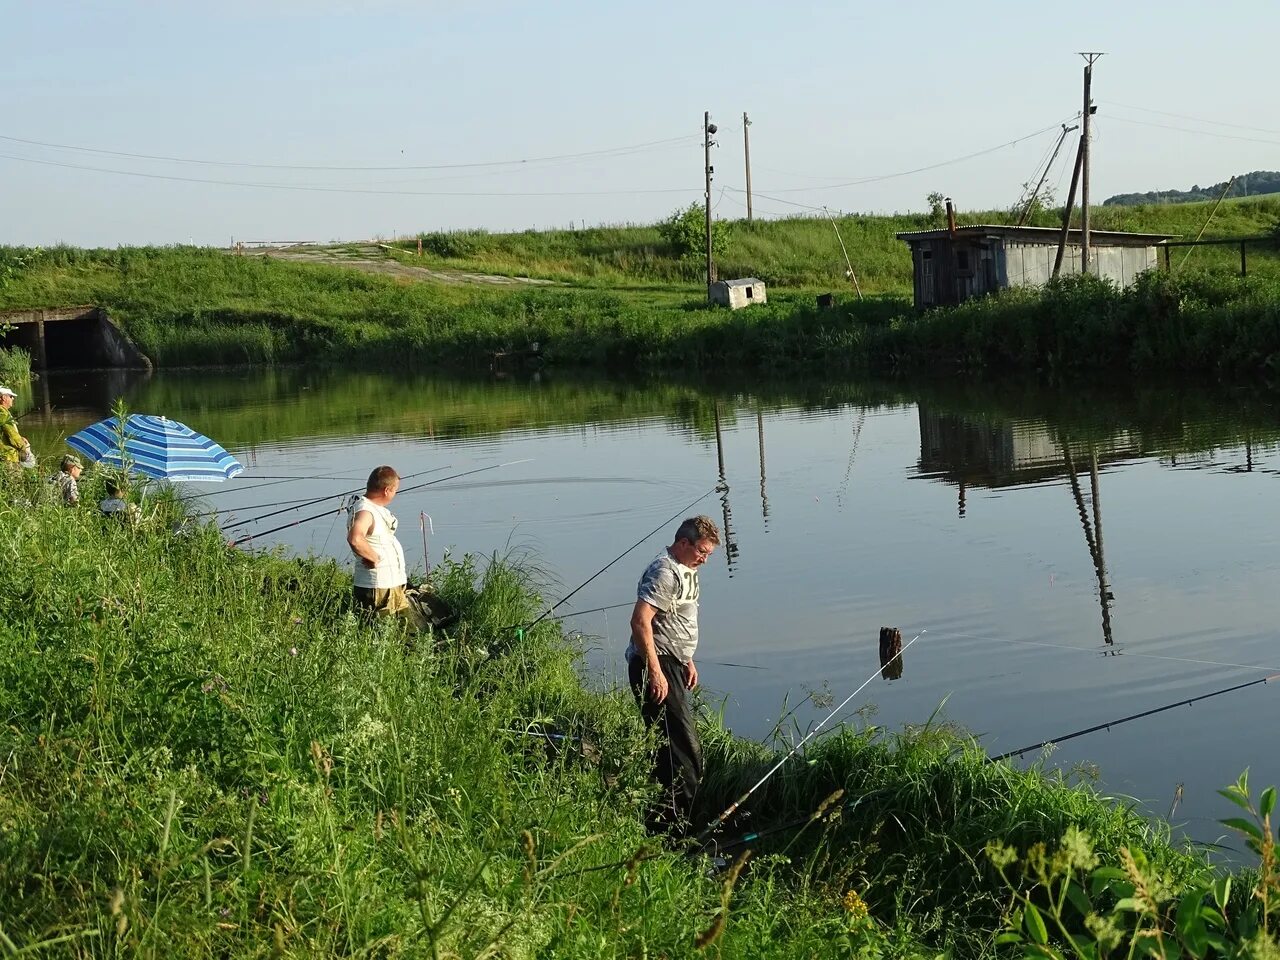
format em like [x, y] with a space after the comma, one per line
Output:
[206, 753]
[1211, 324]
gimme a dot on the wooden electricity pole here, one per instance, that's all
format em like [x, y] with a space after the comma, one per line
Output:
[708, 128]
[1090, 59]
[746, 153]
[1066, 210]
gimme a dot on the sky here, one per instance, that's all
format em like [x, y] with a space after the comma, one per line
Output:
[521, 115]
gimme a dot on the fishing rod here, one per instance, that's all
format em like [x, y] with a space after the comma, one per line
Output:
[800, 821]
[331, 496]
[274, 480]
[551, 609]
[1134, 716]
[247, 537]
[729, 810]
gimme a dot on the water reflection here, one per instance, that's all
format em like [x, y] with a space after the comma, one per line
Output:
[990, 454]
[730, 542]
[764, 493]
[1092, 529]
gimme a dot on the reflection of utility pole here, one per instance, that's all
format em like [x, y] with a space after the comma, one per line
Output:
[858, 424]
[764, 496]
[1092, 532]
[730, 547]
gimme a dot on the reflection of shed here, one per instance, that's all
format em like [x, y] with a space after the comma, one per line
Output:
[738, 293]
[952, 266]
[973, 452]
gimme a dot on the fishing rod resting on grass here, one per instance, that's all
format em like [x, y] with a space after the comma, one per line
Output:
[801, 821]
[1133, 716]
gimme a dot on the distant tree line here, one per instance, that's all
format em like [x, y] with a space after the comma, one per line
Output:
[1246, 185]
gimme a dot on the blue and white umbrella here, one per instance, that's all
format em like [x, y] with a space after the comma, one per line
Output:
[156, 447]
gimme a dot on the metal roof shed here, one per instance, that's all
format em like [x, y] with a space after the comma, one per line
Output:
[950, 266]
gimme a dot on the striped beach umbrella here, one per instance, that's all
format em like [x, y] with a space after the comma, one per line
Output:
[156, 447]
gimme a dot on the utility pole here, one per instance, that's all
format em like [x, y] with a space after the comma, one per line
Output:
[1066, 211]
[708, 128]
[746, 153]
[1086, 113]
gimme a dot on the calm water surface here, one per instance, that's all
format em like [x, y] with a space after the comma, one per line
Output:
[1048, 606]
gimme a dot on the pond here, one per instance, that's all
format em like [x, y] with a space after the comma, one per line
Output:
[1068, 557]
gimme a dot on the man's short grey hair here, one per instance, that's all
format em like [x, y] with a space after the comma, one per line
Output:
[698, 528]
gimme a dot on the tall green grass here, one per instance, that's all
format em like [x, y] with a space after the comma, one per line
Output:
[206, 752]
[15, 366]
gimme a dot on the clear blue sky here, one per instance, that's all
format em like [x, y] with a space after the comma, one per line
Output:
[837, 92]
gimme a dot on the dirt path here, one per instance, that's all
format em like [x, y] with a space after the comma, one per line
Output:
[373, 259]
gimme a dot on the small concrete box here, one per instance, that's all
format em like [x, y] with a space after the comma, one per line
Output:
[735, 294]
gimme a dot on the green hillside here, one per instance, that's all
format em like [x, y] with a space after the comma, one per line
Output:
[1254, 184]
[802, 251]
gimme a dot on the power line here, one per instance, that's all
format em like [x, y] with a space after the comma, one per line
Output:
[348, 190]
[293, 166]
[1183, 116]
[1203, 133]
[931, 166]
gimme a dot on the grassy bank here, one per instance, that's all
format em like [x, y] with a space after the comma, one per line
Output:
[625, 301]
[204, 753]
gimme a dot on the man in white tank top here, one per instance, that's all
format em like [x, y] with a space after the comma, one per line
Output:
[380, 576]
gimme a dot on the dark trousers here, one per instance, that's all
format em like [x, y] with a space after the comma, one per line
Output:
[678, 765]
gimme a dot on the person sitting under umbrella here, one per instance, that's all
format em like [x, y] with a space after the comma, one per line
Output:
[116, 506]
[67, 479]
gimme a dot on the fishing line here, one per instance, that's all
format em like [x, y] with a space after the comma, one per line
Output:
[1116, 653]
[298, 505]
[729, 811]
[675, 515]
[1135, 716]
[245, 539]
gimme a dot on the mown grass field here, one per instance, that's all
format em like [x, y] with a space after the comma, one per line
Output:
[204, 752]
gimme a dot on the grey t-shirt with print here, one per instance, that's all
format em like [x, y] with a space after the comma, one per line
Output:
[672, 588]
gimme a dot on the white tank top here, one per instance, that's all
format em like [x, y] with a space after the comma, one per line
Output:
[390, 571]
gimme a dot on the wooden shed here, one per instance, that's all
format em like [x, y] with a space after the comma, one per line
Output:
[950, 266]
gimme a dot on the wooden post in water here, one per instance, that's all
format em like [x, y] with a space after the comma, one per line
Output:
[890, 653]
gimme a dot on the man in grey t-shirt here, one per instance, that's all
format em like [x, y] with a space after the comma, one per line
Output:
[660, 668]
